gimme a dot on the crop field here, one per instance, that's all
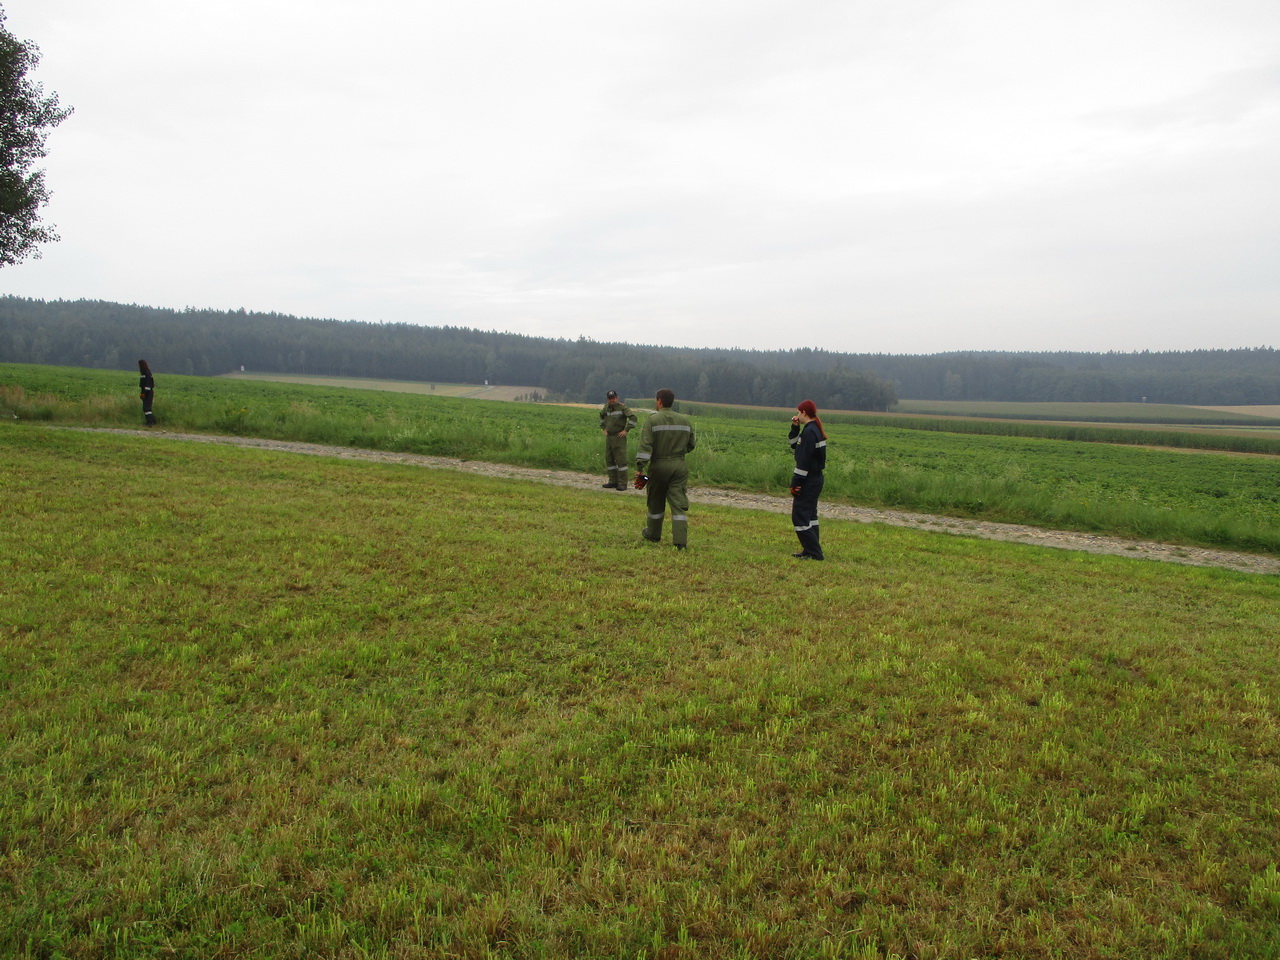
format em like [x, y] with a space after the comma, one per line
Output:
[1195, 498]
[1266, 417]
[1218, 432]
[262, 705]
[399, 386]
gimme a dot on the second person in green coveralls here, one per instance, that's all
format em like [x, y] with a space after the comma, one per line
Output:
[616, 419]
[666, 437]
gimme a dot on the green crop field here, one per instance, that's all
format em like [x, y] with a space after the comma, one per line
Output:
[1198, 498]
[1146, 413]
[483, 391]
[259, 705]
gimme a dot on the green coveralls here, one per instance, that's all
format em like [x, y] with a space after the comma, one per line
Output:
[667, 436]
[614, 418]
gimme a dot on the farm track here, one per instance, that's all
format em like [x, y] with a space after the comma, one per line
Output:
[1011, 532]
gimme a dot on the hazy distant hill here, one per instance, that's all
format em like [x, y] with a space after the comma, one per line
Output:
[100, 334]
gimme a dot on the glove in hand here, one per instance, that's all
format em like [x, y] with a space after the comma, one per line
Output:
[795, 491]
[640, 481]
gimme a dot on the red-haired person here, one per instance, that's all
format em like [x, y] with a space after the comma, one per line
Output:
[809, 444]
[147, 391]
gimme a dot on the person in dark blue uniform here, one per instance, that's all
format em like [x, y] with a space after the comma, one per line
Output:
[147, 391]
[809, 444]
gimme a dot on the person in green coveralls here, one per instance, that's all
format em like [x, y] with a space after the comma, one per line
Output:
[667, 436]
[616, 419]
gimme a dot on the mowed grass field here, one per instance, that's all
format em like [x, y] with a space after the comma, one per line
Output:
[265, 705]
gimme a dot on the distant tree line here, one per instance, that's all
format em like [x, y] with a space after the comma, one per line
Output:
[1205, 377]
[90, 333]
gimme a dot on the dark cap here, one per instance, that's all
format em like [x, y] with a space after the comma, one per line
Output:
[611, 395]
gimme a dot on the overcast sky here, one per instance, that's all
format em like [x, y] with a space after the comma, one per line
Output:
[899, 176]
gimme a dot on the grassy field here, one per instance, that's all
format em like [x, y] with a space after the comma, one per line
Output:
[1148, 413]
[483, 391]
[1199, 498]
[260, 705]
[1222, 432]
[1175, 416]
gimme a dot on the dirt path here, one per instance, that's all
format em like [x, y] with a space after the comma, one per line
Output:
[1061, 539]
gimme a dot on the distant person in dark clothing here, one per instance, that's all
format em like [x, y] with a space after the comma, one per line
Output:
[809, 444]
[147, 391]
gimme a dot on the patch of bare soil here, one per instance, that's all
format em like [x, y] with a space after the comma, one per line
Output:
[1012, 532]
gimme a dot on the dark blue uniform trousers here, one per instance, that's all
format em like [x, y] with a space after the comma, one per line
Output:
[804, 515]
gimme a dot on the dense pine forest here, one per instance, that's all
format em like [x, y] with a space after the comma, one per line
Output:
[91, 333]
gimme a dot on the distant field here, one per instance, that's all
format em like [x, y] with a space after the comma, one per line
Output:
[1264, 419]
[1253, 411]
[1152, 413]
[398, 386]
[1020, 472]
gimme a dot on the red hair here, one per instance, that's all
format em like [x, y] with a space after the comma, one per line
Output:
[810, 409]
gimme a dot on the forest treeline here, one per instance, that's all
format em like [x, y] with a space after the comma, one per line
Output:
[104, 335]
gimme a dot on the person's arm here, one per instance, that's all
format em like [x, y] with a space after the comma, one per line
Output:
[643, 456]
[645, 453]
[804, 458]
[631, 419]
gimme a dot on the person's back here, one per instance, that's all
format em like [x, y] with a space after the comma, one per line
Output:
[672, 434]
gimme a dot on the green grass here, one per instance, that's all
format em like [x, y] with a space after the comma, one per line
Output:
[1152, 413]
[262, 705]
[1207, 499]
[439, 389]
[1187, 428]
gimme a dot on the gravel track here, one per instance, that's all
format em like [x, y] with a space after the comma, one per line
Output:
[1017, 533]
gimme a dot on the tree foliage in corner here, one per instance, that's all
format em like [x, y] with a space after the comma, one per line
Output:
[26, 117]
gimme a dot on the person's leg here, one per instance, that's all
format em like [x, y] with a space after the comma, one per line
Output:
[656, 501]
[804, 517]
[678, 499]
[611, 467]
[618, 461]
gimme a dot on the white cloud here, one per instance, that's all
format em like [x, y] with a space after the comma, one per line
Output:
[905, 176]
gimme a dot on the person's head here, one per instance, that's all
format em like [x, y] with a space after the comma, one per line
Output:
[142, 367]
[807, 412]
[611, 396]
[666, 398]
